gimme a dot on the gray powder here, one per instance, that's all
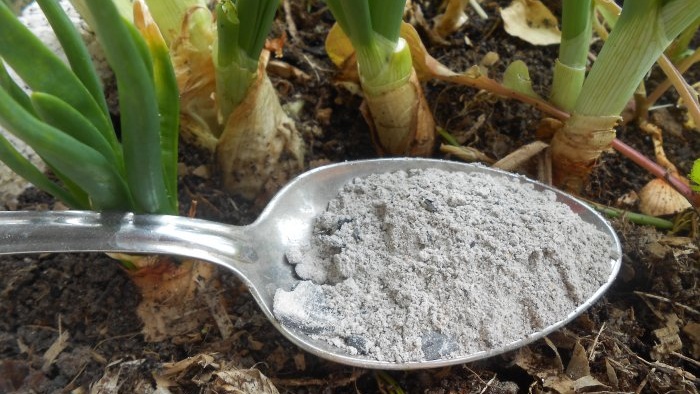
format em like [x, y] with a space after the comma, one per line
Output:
[426, 264]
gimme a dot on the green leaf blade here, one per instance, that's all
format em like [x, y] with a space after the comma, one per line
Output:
[16, 92]
[75, 50]
[43, 71]
[167, 95]
[139, 107]
[355, 20]
[256, 21]
[387, 16]
[27, 170]
[62, 116]
[82, 164]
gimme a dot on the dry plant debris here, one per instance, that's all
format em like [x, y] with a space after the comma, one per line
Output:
[532, 21]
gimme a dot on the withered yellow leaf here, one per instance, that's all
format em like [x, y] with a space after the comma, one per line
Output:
[338, 46]
[531, 21]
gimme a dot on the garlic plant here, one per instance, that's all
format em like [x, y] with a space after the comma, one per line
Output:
[395, 107]
[66, 119]
[31, 16]
[259, 147]
[643, 31]
[229, 105]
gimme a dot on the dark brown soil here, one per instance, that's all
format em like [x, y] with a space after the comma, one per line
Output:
[643, 336]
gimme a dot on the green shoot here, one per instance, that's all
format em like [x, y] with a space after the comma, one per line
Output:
[570, 67]
[374, 27]
[395, 107]
[389, 384]
[242, 26]
[449, 138]
[638, 218]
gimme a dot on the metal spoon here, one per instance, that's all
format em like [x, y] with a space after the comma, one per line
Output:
[256, 252]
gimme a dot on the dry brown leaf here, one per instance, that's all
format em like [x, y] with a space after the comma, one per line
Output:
[531, 21]
[287, 71]
[416, 18]
[628, 199]
[563, 338]
[55, 349]
[466, 153]
[559, 362]
[668, 340]
[276, 45]
[452, 19]
[682, 242]
[692, 330]
[587, 384]
[176, 369]
[611, 373]
[211, 376]
[216, 305]
[195, 74]
[201, 171]
[253, 344]
[300, 361]
[242, 381]
[658, 198]
[546, 369]
[525, 359]
[521, 155]
[578, 365]
[656, 249]
[120, 373]
[560, 383]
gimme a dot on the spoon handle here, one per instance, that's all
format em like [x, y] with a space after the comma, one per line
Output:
[86, 231]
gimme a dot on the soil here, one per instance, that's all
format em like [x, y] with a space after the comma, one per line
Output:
[69, 320]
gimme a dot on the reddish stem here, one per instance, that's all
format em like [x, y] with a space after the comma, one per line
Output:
[657, 170]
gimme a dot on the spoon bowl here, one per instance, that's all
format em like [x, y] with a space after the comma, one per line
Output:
[256, 252]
